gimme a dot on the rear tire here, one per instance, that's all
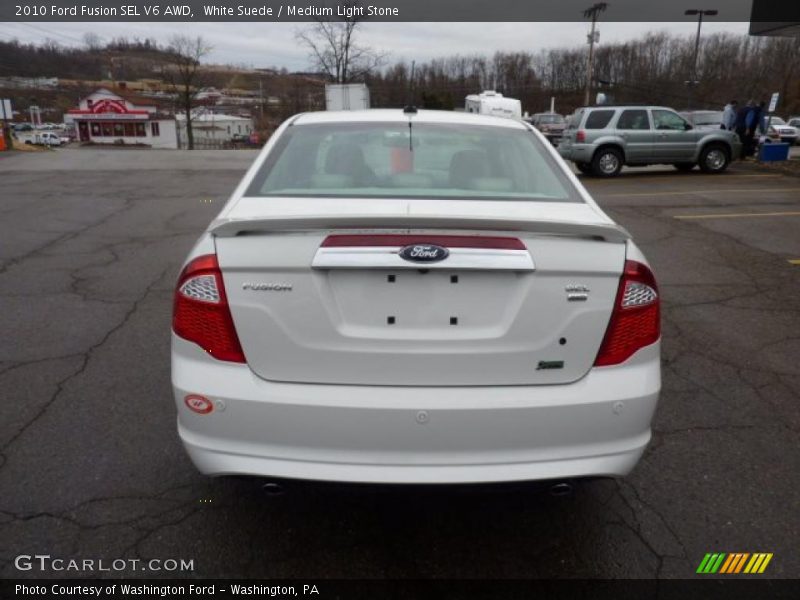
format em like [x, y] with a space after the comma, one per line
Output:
[685, 167]
[607, 162]
[584, 168]
[714, 158]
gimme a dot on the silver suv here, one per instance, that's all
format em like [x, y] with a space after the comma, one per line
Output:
[601, 139]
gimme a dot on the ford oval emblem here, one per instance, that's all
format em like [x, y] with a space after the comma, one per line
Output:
[424, 253]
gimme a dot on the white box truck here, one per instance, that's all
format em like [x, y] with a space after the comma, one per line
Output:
[494, 104]
[347, 96]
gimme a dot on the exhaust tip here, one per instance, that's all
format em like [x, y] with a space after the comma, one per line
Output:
[561, 489]
[271, 488]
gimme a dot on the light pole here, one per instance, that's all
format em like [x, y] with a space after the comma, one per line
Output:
[693, 76]
[593, 37]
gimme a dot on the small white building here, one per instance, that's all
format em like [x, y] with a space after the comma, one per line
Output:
[105, 117]
[211, 128]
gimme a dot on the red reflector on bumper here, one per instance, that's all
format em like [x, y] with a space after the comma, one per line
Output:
[199, 404]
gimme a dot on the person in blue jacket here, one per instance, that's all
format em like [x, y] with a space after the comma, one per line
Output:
[752, 125]
[740, 125]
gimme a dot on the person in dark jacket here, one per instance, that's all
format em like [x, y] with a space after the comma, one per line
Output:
[740, 125]
[752, 125]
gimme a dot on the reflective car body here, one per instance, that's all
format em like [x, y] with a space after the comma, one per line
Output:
[422, 297]
[600, 140]
[781, 129]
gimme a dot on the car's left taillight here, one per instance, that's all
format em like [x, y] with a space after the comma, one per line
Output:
[201, 313]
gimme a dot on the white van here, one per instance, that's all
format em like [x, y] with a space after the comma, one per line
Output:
[494, 104]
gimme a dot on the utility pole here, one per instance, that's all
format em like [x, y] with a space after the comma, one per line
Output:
[261, 96]
[693, 81]
[594, 36]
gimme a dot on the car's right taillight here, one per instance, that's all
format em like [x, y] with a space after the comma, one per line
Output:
[201, 313]
[636, 318]
[580, 136]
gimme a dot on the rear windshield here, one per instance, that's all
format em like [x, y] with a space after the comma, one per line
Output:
[550, 119]
[598, 119]
[388, 160]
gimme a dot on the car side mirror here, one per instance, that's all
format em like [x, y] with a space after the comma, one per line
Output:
[687, 126]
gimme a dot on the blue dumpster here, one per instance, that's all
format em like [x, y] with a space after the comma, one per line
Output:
[773, 152]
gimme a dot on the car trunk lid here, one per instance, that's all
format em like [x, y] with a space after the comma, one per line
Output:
[318, 296]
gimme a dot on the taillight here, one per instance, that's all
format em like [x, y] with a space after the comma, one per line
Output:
[580, 136]
[201, 313]
[636, 319]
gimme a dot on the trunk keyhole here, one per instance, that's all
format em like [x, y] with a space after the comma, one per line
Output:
[453, 278]
[390, 320]
[453, 320]
[562, 341]
[390, 278]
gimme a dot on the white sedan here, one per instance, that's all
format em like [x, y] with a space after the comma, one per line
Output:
[779, 128]
[414, 297]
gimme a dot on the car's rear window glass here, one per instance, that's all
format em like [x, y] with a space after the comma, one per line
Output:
[550, 119]
[598, 119]
[430, 160]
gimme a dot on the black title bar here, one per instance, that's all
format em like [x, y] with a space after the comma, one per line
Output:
[773, 11]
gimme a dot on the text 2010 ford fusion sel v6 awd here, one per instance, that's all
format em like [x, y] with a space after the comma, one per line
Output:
[414, 297]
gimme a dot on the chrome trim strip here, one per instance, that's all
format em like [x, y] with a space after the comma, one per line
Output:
[385, 257]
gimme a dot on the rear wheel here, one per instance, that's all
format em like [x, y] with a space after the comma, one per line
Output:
[584, 168]
[714, 158]
[684, 166]
[607, 162]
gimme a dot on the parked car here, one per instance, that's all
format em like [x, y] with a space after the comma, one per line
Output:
[40, 138]
[23, 127]
[781, 129]
[794, 122]
[704, 119]
[551, 125]
[414, 297]
[600, 140]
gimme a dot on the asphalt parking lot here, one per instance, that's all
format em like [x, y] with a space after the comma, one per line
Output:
[91, 466]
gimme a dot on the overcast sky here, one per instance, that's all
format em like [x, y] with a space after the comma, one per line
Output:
[273, 44]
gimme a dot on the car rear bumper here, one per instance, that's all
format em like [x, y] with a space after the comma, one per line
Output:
[597, 426]
[579, 153]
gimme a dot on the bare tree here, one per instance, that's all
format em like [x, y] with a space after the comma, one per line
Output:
[185, 53]
[92, 41]
[333, 48]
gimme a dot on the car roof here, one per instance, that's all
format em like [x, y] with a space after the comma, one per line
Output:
[383, 115]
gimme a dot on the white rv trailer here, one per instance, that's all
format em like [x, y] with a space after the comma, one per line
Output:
[494, 104]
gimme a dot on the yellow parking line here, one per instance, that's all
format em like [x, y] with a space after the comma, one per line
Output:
[795, 261]
[740, 215]
[705, 191]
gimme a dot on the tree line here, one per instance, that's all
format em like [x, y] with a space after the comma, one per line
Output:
[652, 69]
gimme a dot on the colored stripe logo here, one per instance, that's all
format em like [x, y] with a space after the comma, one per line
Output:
[734, 563]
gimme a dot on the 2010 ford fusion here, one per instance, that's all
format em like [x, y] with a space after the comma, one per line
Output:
[405, 296]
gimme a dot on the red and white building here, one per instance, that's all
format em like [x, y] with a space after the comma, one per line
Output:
[108, 118]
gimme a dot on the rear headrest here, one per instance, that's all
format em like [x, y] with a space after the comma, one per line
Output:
[466, 165]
